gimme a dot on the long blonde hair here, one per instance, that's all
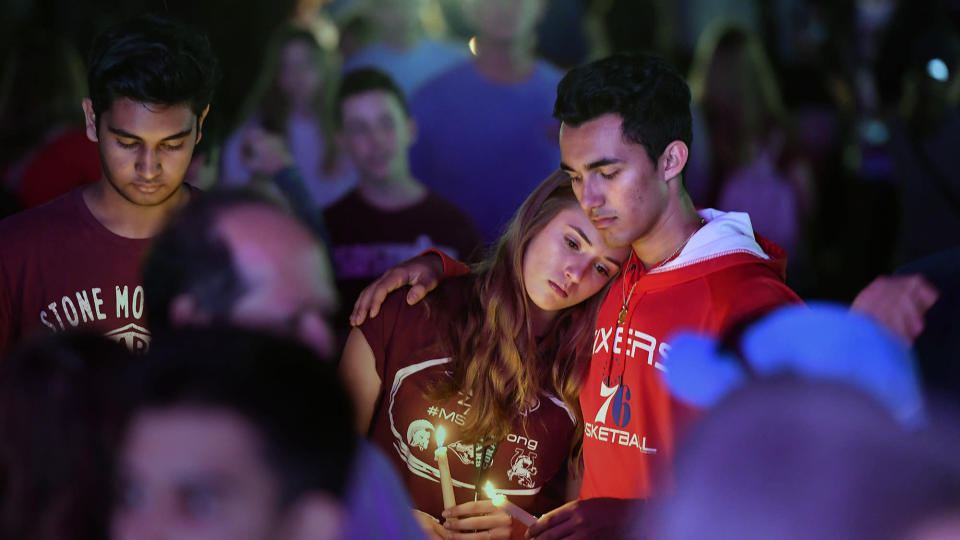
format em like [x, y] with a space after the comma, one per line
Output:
[497, 358]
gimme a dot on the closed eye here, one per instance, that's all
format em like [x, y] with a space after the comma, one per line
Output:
[609, 176]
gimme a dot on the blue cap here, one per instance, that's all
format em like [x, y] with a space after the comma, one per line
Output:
[821, 340]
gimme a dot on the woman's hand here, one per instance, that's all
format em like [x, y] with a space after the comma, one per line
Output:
[431, 527]
[477, 520]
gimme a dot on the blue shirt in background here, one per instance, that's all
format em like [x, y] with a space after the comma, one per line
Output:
[484, 145]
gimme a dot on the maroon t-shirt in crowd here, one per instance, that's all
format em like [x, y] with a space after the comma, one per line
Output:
[366, 241]
[60, 268]
[528, 466]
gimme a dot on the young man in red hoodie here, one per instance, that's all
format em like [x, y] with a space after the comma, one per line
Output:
[625, 138]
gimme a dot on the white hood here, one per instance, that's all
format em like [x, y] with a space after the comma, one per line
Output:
[723, 234]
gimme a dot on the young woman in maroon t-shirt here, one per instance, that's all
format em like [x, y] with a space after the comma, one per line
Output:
[517, 329]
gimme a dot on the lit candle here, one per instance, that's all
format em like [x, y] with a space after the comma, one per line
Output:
[500, 501]
[446, 483]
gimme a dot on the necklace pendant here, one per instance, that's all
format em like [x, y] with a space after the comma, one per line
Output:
[623, 315]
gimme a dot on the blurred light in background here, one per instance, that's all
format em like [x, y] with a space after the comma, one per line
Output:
[937, 69]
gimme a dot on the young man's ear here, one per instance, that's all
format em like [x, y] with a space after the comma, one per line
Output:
[673, 160]
[90, 119]
[203, 116]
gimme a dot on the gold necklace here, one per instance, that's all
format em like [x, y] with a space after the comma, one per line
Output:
[626, 298]
[622, 318]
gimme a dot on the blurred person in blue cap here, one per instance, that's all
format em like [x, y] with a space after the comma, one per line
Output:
[820, 341]
[789, 457]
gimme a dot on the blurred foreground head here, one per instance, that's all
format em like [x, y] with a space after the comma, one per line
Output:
[789, 458]
[60, 399]
[237, 258]
[234, 435]
[819, 341]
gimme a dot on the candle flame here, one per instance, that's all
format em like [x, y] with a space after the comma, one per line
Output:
[498, 499]
[488, 489]
[472, 44]
[441, 435]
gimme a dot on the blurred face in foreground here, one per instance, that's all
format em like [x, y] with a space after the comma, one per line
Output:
[194, 473]
[289, 281]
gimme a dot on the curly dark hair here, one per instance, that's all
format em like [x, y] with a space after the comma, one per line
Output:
[150, 59]
[646, 91]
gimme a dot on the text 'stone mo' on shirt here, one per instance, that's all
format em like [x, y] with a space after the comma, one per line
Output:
[60, 269]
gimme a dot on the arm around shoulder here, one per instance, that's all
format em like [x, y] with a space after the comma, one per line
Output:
[422, 273]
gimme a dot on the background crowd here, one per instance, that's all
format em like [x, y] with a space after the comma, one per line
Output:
[364, 132]
[830, 123]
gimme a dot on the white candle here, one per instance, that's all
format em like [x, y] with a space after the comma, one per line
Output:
[446, 483]
[500, 501]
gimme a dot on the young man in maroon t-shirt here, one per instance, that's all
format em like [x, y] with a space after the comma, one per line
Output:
[75, 262]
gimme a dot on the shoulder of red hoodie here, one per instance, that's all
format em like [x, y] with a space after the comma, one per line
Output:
[725, 274]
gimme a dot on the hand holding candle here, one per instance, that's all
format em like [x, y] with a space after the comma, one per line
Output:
[446, 482]
[500, 501]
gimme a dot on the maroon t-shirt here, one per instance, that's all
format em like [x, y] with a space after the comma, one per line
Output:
[60, 268]
[366, 241]
[528, 466]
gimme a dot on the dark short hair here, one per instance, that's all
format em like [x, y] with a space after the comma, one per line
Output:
[150, 59]
[294, 401]
[191, 257]
[646, 91]
[362, 80]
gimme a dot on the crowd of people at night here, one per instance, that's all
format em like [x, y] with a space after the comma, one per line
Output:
[480, 269]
